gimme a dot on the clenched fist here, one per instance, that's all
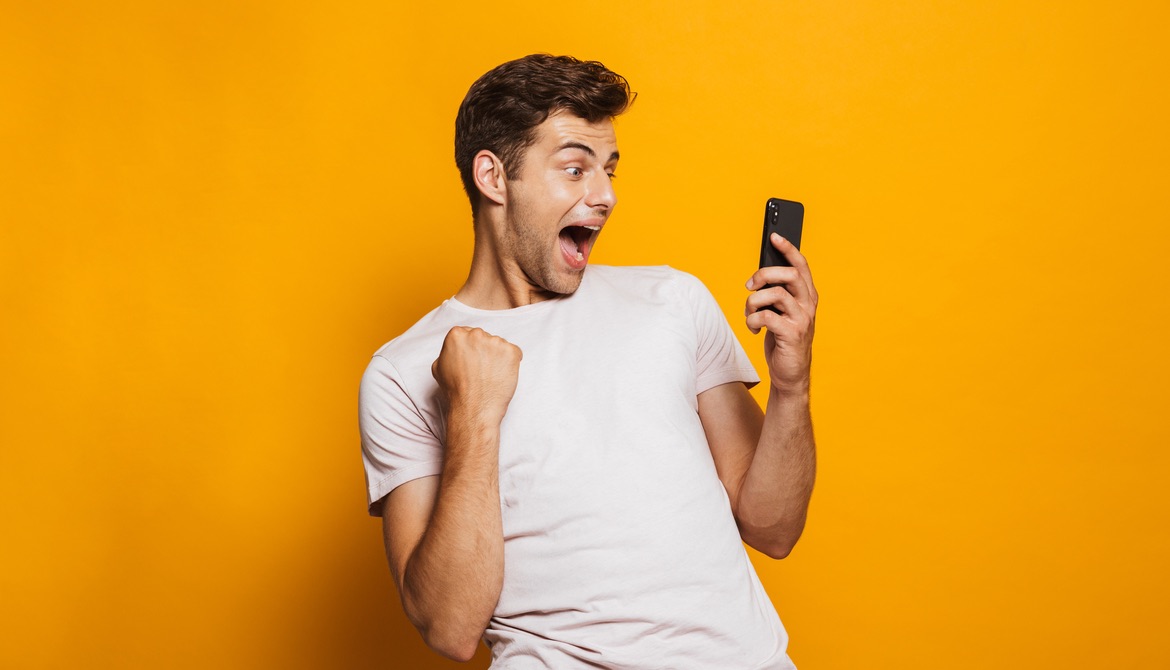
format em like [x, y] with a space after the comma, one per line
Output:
[477, 372]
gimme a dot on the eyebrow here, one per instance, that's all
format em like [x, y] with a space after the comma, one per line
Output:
[587, 149]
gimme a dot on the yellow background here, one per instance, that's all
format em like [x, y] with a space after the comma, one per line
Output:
[212, 213]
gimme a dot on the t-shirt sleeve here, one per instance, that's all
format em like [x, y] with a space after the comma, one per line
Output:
[719, 357]
[397, 443]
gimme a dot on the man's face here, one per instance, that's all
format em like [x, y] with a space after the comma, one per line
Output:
[559, 201]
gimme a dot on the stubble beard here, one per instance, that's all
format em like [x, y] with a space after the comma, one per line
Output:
[533, 255]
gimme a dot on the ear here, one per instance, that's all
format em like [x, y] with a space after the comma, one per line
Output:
[488, 172]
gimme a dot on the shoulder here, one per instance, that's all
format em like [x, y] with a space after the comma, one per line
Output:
[647, 281]
[636, 273]
[419, 333]
[408, 357]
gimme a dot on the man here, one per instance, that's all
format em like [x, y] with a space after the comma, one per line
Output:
[566, 458]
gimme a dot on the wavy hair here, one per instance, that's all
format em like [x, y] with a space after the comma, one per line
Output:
[502, 108]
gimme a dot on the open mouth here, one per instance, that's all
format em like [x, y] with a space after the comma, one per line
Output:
[576, 242]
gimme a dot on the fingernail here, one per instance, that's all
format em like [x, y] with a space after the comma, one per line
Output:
[777, 236]
[750, 283]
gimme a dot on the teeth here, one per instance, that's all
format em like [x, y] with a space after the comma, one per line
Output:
[580, 256]
[594, 228]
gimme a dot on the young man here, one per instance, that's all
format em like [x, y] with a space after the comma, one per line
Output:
[566, 458]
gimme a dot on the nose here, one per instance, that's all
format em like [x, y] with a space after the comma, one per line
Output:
[600, 193]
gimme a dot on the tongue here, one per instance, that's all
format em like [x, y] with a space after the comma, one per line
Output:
[572, 239]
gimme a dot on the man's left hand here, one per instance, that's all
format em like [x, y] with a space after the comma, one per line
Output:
[788, 343]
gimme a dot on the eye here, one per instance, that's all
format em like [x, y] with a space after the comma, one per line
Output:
[612, 175]
[575, 171]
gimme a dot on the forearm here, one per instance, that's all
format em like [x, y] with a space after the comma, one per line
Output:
[773, 500]
[453, 579]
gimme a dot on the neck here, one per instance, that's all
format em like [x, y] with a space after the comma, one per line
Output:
[495, 282]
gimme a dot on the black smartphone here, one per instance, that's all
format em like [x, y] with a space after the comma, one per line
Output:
[785, 217]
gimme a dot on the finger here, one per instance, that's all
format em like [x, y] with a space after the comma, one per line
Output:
[795, 288]
[772, 274]
[781, 275]
[764, 319]
[778, 298]
[797, 259]
[454, 335]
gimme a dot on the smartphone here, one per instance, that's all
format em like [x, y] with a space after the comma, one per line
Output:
[785, 217]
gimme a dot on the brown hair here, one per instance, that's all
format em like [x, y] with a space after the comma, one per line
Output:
[503, 107]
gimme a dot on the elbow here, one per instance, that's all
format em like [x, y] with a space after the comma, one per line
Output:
[452, 629]
[448, 631]
[455, 645]
[776, 549]
[774, 542]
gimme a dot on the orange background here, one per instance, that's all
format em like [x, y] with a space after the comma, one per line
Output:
[212, 213]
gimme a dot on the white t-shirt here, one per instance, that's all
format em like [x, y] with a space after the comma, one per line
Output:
[620, 549]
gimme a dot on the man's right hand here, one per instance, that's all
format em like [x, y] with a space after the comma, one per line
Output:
[444, 535]
[477, 372]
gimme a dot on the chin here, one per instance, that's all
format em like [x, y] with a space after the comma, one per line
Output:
[569, 288]
[565, 283]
